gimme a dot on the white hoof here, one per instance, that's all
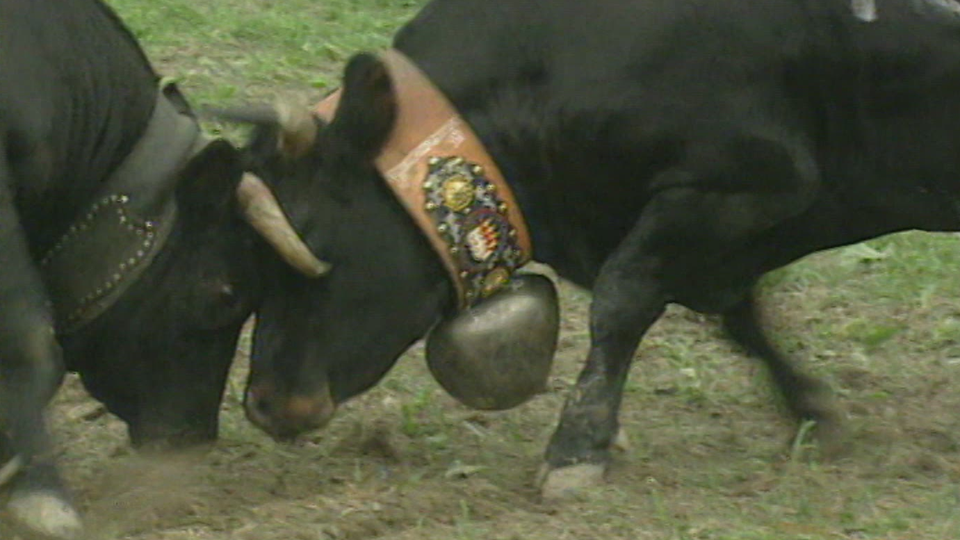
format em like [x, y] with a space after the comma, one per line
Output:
[565, 481]
[45, 515]
[622, 442]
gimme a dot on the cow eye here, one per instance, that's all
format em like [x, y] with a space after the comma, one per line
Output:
[219, 304]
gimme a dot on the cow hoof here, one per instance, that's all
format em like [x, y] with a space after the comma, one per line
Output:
[556, 484]
[44, 515]
[621, 443]
[832, 438]
[829, 429]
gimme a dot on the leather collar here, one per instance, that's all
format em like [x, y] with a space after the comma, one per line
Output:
[448, 182]
[115, 240]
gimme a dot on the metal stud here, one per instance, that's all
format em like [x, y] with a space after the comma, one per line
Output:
[454, 250]
[491, 188]
[502, 207]
[430, 206]
[464, 274]
[456, 162]
[477, 170]
[443, 227]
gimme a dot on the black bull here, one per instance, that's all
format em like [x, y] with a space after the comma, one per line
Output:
[123, 254]
[661, 150]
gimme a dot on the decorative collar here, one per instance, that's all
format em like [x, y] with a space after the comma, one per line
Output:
[448, 182]
[115, 240]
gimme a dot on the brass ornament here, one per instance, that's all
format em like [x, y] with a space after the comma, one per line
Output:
[495, 280]
[458, 193]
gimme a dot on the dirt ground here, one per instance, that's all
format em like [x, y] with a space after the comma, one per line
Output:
[711, 457]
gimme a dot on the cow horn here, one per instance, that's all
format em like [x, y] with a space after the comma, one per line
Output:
[298, 130]
[262, 211]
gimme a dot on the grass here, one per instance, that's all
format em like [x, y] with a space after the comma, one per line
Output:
[712, 458]
[238, 50]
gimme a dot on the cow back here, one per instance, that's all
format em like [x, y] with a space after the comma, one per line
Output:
[75, 95]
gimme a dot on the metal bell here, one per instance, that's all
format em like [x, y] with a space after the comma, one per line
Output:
[498, 353]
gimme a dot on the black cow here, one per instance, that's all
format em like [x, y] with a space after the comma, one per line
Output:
[122, 251]
[661, 150]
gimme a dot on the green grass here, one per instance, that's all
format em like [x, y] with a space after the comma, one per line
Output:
[711, 458]
[259, 49]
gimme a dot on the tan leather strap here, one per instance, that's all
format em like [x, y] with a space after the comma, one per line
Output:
[446, 179]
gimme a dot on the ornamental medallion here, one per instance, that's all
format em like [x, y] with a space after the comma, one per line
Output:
[458, 193]
[471, 218]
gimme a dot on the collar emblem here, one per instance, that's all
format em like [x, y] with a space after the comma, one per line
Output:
[471, 219]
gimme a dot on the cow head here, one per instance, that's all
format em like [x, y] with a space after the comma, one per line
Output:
[158, 357]
[319, 342]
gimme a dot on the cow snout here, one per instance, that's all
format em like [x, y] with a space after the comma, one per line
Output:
[285, 417]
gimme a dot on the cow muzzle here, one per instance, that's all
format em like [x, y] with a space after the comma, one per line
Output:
[285, 417]
[498, 354]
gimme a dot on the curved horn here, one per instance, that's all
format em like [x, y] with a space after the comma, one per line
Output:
[262, 211]
[298, 129]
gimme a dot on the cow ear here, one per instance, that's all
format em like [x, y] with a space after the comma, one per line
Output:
[207, 184]
[368, 108]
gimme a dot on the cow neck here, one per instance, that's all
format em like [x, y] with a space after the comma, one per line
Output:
[119, 235]
[449, 184]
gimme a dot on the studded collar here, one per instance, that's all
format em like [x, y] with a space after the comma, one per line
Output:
[440, 171]
[115, 240]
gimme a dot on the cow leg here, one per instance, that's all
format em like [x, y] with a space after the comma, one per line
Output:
[31, 369]
[806, 397]
[627, 300]
[686, 247]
